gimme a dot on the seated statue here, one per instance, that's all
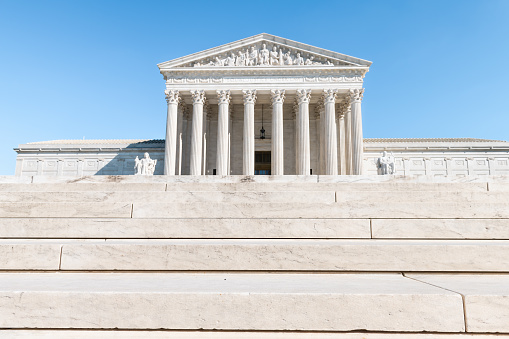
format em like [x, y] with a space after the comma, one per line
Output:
[386, 164]
[145, 166]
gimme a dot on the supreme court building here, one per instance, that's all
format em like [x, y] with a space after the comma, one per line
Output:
[264, 105]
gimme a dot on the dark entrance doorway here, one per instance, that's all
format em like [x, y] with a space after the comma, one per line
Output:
[262, 163]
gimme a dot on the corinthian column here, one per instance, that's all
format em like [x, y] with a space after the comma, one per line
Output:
[303, 147]
[278, 97]
[197, 132]
[330, 151]
[343, 108]
[170, 145]
[348, 136]
[223, 98]
[248, 159]
[357, 142]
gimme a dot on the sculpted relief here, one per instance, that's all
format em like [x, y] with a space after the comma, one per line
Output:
[262, 56]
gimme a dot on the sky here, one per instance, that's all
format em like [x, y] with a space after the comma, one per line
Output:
[87, 69]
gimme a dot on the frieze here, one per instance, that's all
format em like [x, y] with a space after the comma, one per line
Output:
[263, 54]
[217, 80]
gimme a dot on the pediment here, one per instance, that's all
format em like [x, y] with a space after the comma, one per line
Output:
[264, 50]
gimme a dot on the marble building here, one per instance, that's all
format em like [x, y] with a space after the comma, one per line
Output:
[264, 105]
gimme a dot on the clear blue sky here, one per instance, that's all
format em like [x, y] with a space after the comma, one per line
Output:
[74, 69]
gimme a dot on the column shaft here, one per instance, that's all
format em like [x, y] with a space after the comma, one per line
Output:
[322, 139]
[180, 128]
[330, 133]
[248, 146]
[170, 145]
[357, 141]
[223, 97]
[197, 132]
[277, 132]
[303, 141]
[341, 147]
[348, 139]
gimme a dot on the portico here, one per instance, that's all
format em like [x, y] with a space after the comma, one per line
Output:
[307, 99]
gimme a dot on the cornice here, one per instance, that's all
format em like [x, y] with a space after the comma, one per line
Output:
[263, 71]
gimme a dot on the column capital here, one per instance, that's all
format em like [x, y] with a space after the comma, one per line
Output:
[172, 96]
[277, 95]
[356, 94]
[198, 96]
[223, 96]
[249, 96]
[329, 95]
[303, 96]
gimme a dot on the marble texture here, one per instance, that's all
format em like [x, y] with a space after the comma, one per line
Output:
[440, 228]
[29, 255]
[169, 196]
[65, 210]
[486, 298]
[183, 228]
[73, 187]
[399, 196]
[142, 334]
[386, 302]
[319, 210]
[288, 255]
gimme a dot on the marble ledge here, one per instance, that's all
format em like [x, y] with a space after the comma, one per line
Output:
[288, 255]
[183, 228]
[384, 209]
[261, 302]
[154, 334]
[257, 178]
[486, 298]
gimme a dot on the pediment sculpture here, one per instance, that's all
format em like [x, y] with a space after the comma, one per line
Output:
[262, 56]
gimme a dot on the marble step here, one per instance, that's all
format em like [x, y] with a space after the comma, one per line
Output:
[486, 298]
[184, 228]
[251, 186]
[65, 210]
[381, 209]
[418, 197]
[355, 210]
[261, 302]
[214, 334]
[256, 255]
[170, 197]
[440, 229]
[208, 228]
[255, 196]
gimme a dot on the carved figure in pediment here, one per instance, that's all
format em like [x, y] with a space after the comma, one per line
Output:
[310, 60]
[264, 56]
[288, 59]
[274, 56]
[329, 63]
[240, 59]
[253, 57]
[219, 62]
[299, 60]
[230, 60]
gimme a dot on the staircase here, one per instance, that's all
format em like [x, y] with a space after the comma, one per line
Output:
[254, 257]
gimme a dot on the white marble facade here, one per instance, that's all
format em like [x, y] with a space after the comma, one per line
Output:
[434, 157]
[308, 101]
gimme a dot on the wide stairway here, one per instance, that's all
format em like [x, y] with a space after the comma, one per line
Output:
[254, 257]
